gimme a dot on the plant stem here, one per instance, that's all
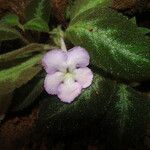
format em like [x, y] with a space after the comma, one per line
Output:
[63, 45]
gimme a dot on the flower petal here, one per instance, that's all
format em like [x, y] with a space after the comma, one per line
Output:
[68, 91]
[77, 57]
[52, 81]
[55, 60]
[84, 76]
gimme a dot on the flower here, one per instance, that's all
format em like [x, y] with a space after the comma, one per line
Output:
[67, 73]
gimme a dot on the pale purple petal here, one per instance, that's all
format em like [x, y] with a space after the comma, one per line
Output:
[55, 60]
[84, 76]
[77, 57]
[67, 92]
[52, 81]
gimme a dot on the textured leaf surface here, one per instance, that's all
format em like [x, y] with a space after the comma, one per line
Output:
[38, 9]
[14, 77]
[106, 108]
[115, 44]
[10, 19]
[37, 24]
[90, 106]
[27, 94]
[8, 33]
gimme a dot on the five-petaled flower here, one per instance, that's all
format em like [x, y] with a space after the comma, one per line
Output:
[67, 73]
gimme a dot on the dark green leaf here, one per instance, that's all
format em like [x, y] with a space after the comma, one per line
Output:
[11, 19]
[22, 54]
[129, 114]
[27, 94]
[16, 76]
[38, 9]
[37, 24]
[90, 106]
[106, 108]
[5, 101]
[8, 33]
[115, 44]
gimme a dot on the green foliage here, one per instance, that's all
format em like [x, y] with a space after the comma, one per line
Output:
[16, 76]
[5, 101]
[91, 105]
[11, 19]
[8, 33]
[37, 24]
[24, 69]
[84, 5]
[27, 94]
[106, 108]
[129, 113]
[115, 44]
[38, 14]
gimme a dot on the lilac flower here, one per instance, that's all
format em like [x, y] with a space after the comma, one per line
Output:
[67, 73]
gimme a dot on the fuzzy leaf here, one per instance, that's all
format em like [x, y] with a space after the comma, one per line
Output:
[17, 56]
[8, 33]
[115, 44]
[10, 19]
[27, 94]
[38, 9]
[16, 76]
[129, 114]
[106, 109]
[91, 105]
[37, 24]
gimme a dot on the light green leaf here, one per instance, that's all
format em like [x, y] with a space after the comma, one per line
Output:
[37, 24]
[8, 33]
[115, 44]
[11, 20]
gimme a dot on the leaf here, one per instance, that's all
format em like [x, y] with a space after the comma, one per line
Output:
[17, 56]
[84, 5]
[27, 94]
[60, 118]
[38, 9]
[37, 24]
[5, 101]
[106, 109]
[115, 44]
[16, 76]
[11, 20]
[129, 114]
[8, 33]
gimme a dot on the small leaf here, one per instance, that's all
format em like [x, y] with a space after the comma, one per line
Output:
[11, 20]
[115, 44]
[8, 33]
[37, 24]
[38, 9]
